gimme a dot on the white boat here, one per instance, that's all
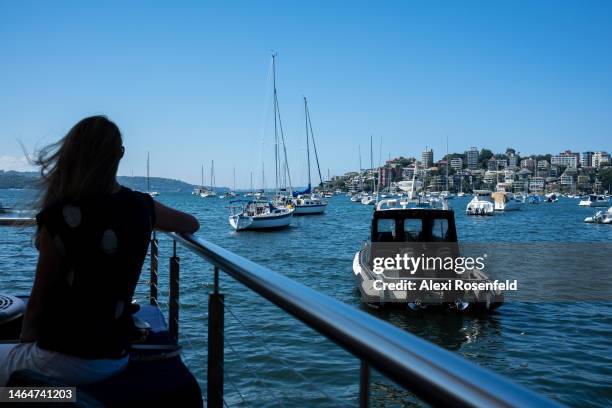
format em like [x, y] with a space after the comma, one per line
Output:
[552, 198]
[368, 200]
[149, 192]
[258, 215]
[594, 201]
[447, 195]
[481, 204]
[505, 201]
[460, 194]
[356, 198]
[600, 217]
[306, 202]
[206, 193]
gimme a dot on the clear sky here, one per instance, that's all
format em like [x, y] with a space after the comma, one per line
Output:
[189, 81]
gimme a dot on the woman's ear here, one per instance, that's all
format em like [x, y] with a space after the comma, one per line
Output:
[122, 151]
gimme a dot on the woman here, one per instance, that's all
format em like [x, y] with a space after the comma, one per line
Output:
[92, 238]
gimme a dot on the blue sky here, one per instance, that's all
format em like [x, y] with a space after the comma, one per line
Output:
[189, 82]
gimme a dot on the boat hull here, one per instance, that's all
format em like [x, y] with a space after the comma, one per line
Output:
[309, 209]
[261, 222]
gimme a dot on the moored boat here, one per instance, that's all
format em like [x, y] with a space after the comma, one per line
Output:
[600, 217]
[398, 228]
[594, 200]
[258, 215]
[481, 204]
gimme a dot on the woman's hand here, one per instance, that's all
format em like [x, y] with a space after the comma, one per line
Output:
[169, 219]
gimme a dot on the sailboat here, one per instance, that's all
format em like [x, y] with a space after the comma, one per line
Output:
[149, 192]
[231, 193]
[356, 198]
[258, 214]
[197, 190]
[210, 193]
[370, 199]
[305, 201]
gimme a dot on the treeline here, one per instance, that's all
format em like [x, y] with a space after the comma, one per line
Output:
[16, 179]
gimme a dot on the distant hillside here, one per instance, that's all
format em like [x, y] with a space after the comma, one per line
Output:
[16, 179]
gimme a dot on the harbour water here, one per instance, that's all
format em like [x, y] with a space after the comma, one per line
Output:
[560, 349]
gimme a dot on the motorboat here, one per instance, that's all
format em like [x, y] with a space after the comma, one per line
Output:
[552, 198]
[308, 204]
[258, 215]
[481, 204]
[600, 217]
[447, 195]
[398, 230]
[208, 194]
[149, 192]
[594, 200]
[505, 201]
[356, 198]
[368, 200]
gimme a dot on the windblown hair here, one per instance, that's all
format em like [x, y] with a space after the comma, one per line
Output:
[82, 164]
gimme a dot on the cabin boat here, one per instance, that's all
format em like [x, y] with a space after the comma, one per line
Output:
[398, 228]
[481, 204]
[600, 217]
[552, 198]
[308, 204]
[505, 201]
[258, 215]
[594, 200]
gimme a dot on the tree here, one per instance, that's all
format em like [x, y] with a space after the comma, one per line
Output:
[605, 176]
[483, 157]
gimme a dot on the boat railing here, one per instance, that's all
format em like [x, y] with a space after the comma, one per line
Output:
[435, 375]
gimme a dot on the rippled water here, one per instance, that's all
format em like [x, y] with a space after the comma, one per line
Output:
[560, 349]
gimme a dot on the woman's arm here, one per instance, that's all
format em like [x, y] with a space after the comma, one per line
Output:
[47, 270]
[169, 219]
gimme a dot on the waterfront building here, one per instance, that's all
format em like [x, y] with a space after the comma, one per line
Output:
[385, 176]
[586, 159]
[528, 164]
[565, 159]
[427, 158]
[512, 161]
[536, 184]
[566, 180]
[457, 163]
[599, 158]
[471, 157]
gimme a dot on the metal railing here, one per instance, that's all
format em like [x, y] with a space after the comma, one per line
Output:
[433, 374]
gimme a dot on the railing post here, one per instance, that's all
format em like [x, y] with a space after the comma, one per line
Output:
[153, 280]
[364, 385]
[215, 345]
[173, 301]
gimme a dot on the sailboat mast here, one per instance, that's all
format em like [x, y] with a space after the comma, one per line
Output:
[360, 170]
[447, 162]
[202, 176]
[234, 178]
[212, 173]
[371, 158]
[276, 167]
[307, 140]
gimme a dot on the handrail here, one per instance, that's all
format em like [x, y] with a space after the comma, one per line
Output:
[434, 374]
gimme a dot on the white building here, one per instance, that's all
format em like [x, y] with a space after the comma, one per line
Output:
[457, 163]
[565, 160]
[536, 184]
[427, 157]
[599, 158]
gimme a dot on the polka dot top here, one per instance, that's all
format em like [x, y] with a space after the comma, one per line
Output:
[102, 243]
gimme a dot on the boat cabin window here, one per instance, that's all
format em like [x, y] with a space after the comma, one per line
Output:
[440, 230]
[413, 230]
[386, 230]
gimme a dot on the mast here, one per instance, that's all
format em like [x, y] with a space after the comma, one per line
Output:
[314, 145]
[275, 102]
[360, 176]
[202, 176]
[307, 142]
[447, 162]
[251, 182]
[372, 161]
[234, 178]
[212, 174]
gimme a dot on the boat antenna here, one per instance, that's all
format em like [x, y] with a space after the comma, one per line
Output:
[148, 182]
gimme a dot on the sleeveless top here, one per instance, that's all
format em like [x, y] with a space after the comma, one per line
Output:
[102, 243]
